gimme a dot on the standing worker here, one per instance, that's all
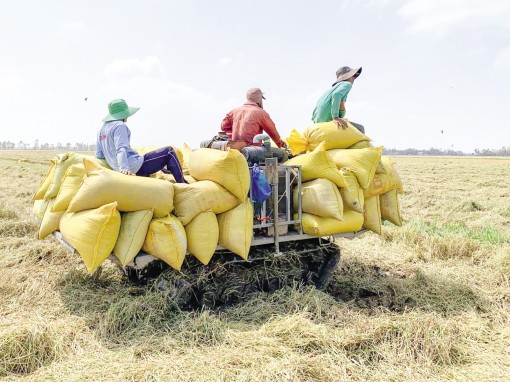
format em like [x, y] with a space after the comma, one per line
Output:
[250, 119]
[113, 145]
[331, 106]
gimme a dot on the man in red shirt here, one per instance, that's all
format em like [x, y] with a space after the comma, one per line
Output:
[250, 119]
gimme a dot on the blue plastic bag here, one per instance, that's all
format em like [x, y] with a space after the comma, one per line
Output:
[260, 188]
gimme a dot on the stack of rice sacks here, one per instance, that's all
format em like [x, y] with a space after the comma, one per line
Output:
[99, 211]
[347, 183]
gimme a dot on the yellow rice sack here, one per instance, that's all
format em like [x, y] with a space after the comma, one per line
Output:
[227, 168]
[190, 179]
[381, 184]
[236, 229]
[202, 235]
[318, 165]
[39, 208]
[201, 196]
[92, 233]
[373, 214]
[320, 197]
[327, 132]
[365, 144]
[161, 175]
[390, 207]
[171, 178]
[186, 151]
[46, 182]
[102, 162]
[352, 195]
[70, 184]
[132, 193]
[318, 226]
[178, 152]
[393, 173]
[166, 240]
[133, 230]
[362, 162]
[63, 162]
[334, 137]
[361, 145]
[380, 168]
[50, 221]
[297, 142]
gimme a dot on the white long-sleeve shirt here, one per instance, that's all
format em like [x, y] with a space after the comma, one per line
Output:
[113, 145]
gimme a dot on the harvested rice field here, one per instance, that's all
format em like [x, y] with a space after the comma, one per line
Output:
[429, 301]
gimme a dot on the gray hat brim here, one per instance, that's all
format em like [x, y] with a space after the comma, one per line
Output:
[354, 72]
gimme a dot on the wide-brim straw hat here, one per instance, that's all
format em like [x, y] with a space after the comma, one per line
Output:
[118, 109]
[345, 72]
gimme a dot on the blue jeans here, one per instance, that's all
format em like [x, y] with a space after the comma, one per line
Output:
[157, 160]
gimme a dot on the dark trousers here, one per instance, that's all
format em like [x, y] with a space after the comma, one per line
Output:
[158, 159]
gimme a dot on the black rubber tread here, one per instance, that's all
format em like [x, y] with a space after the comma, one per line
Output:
[331, 261]
[227, 279]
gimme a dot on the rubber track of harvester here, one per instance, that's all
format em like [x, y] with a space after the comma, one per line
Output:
[226, 280]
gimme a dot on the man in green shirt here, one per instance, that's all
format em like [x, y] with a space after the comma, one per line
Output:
[331, 106]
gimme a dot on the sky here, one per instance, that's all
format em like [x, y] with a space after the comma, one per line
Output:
[436, 73]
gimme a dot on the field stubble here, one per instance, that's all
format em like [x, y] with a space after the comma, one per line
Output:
[427, 301]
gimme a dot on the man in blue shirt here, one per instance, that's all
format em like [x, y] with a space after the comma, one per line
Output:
[331, 106]
[113, 145]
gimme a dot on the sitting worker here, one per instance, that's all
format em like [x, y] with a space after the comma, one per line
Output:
[331, 105]
[113, 145]
[250, 119]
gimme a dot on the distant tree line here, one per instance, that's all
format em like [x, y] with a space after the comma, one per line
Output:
[7, 145]
[502, 152]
